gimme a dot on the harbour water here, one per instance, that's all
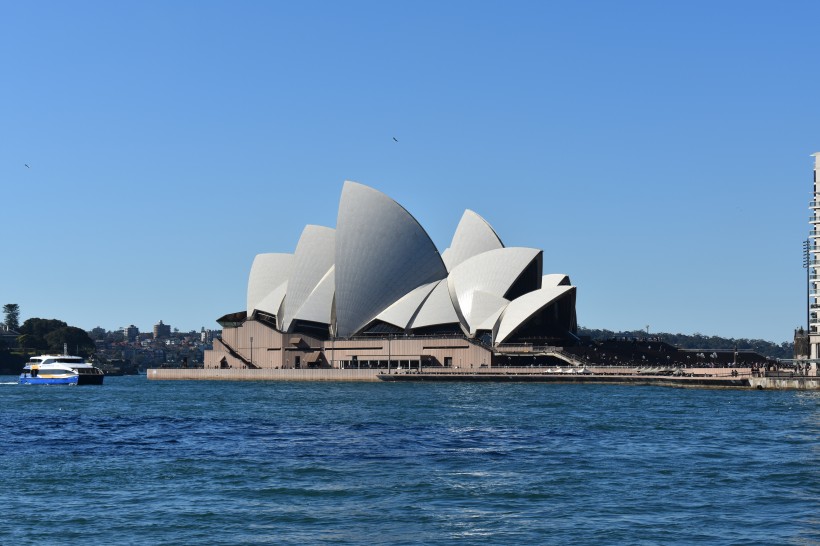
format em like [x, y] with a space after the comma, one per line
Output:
[142, 462]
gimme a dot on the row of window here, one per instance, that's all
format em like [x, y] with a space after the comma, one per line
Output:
[378, 364]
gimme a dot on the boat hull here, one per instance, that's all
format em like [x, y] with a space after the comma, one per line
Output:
[90, 379]
[73, 380]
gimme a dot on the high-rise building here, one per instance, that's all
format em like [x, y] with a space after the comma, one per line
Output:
[162, 330]
[131, 333]
[813, 265]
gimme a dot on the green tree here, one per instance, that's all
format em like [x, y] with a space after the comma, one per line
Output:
[77, 340]
[24, 341]
[700, 341]
[12, 311]
[37, 329]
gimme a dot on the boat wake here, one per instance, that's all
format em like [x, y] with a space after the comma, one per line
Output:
[8, 382]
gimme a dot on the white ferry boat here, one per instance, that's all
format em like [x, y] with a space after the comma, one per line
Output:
[52, 374]
[55, 370]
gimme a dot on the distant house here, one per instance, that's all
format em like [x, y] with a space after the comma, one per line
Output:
[8, 337]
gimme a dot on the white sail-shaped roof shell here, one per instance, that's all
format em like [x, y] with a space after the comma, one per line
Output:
[318, 305]
[491, 321]
[311, 261]
[272, 303]
[436, 309]
[402, 312]
[521, 309]
[382, 254]
[380, 264]
[555, 279]
[492, 272]
[483, 306]
[473, 236]
[445, 257]
[268, 272]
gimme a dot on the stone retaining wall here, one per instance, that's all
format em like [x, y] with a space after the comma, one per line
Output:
[806, 383]
[602, 375]
[266, 374]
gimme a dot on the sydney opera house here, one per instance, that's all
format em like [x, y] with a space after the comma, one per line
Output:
[375, 292]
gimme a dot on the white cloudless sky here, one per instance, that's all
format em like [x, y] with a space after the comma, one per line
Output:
[658, 152]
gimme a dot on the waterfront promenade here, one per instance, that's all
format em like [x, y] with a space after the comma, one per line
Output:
[739, 378]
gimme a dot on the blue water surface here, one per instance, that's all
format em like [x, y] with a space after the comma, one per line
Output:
[145, 462]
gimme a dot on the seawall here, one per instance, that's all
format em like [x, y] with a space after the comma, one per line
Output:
[609, 379]
[804, 383]
[620, 377]
[264, 374]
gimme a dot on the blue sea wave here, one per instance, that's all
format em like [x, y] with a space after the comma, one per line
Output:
[140, 462]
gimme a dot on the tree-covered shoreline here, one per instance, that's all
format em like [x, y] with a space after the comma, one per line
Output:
[38, 335]
[697, 341]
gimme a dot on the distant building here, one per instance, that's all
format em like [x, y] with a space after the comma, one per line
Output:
[162, 330]
[131, 332]
[8, 337]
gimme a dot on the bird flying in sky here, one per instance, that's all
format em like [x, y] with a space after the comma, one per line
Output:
[394, 138]
[26, 164]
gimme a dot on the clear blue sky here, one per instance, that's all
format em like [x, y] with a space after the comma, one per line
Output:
[657, 152]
